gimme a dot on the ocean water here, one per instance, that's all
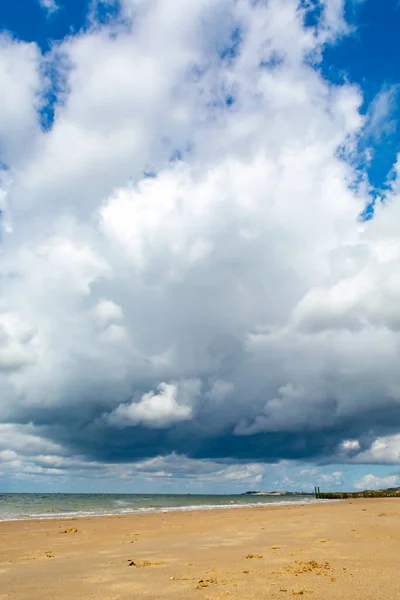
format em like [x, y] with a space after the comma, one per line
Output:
[52, 506]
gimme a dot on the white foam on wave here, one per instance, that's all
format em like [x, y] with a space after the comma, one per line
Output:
[166, 509]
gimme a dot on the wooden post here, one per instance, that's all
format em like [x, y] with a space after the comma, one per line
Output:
[315, 492]
[319, 494]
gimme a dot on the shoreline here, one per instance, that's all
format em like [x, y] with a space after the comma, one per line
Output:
[180, 509]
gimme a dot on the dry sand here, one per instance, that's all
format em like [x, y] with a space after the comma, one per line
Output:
[344, 550]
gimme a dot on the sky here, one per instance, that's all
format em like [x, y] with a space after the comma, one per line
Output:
[200, 239]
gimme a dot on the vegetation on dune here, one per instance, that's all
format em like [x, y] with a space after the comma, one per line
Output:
[388, 493]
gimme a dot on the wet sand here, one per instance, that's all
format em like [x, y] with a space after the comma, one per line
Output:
[343, 550]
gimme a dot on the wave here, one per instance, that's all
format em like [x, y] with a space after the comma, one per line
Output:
[149, 510]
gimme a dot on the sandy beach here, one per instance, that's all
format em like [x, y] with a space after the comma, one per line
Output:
[341, 550]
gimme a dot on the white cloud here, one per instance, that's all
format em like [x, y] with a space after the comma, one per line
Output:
[369, 482]
[384, 450]
[26, 441]
[21, 87]
[8, 455]
[17, 342]
[107, 310]
[201, 471]
[381, 119]
[335, 478]
[350, 445]
[50, 6]
[158, 410]
[238, 274]
[334, 15]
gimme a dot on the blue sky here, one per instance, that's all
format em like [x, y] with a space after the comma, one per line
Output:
[229, 322]
[368, 56]
[32, 21]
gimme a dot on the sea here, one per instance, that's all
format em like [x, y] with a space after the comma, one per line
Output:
[56, 506]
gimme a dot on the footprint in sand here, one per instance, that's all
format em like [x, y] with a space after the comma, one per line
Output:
[203, 583]
[139, 564]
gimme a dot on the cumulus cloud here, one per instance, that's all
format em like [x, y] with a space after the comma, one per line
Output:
[383, 450]
[369, 482]
[183, 265]
[21, 86]
[158, 410]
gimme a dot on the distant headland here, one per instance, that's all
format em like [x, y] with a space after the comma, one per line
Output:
[275, 493]
[383, 493]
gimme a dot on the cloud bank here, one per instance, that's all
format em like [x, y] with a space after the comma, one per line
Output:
[184, 269]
